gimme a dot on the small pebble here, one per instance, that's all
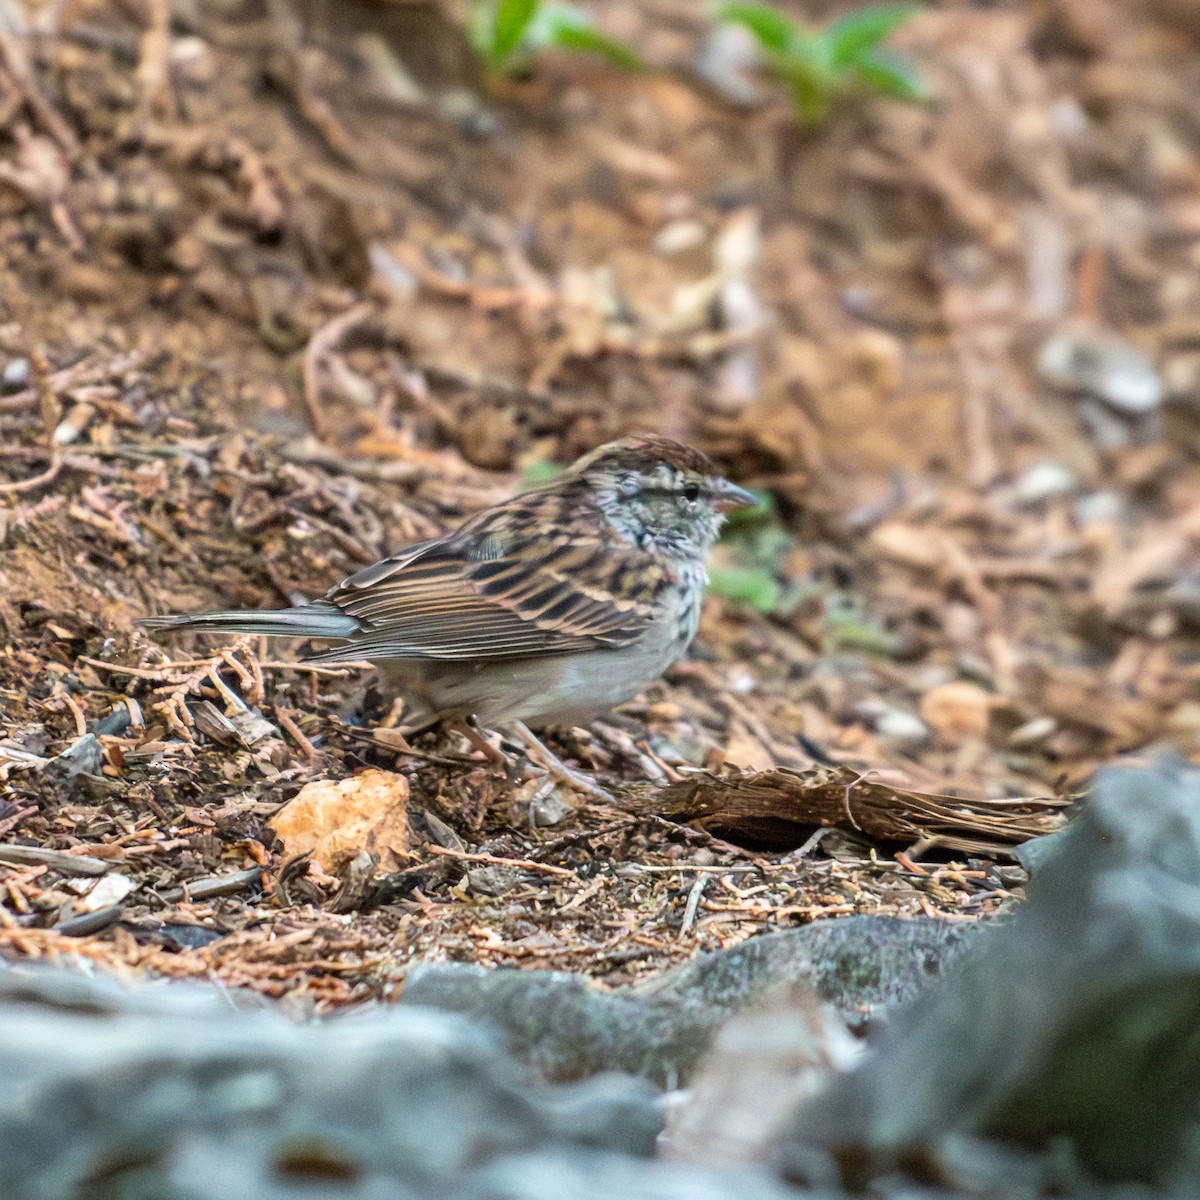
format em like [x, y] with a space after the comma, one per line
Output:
[725, 54]
[15, 376]
[1101, 365]
[1069, 118]
[679, 236]
[959, 711]
[900, 726]
[1033, 731]
[1040, 482]
[1107, 429]
[1099, 508]
[742, 683]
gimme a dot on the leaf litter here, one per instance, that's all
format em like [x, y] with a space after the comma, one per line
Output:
[246, 354]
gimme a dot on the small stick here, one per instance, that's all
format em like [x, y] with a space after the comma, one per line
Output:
[72, 864]
[297, 734]
[214, 885]
[693, 903]
[80, 720]
[84, 371]
[11, 822]
[155, 673]
[523, 864]
[323, 342]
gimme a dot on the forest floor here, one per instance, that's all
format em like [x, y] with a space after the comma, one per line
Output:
[279, 296]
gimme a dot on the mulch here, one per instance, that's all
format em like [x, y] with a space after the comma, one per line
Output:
[264, 323]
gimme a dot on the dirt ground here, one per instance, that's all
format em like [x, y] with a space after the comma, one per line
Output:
[282, 292]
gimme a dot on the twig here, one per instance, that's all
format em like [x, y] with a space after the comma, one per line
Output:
[315, 110]
[59, 380]
[372, 739]
[310, 669]
[13, 820]
[214, 885]
[154, 69]
[523, 864]
[184, 664]
[319, 345]
[72, 864]
[91, 922]
[679, 868]
[297, 734]
[36, 481]
[19, 67]
[80, 720]
[84, 371]
[155, 673]
[693, 903]
[487, 297]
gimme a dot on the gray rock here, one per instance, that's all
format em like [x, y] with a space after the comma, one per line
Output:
[574, 1176]
[567, 1029]
[1076, 1021]
[132, 1088]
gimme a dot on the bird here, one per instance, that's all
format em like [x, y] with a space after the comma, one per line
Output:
[544, 610]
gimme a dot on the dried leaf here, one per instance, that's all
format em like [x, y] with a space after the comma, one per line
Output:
[958, 711]
[336, 820]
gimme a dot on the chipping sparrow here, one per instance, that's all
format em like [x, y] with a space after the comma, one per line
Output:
[547, 609]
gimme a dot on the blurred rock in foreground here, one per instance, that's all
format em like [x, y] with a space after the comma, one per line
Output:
[567, 1029]
[173, 1092]
[1076, 1024]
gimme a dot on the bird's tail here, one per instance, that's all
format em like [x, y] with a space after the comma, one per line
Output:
[319, 619]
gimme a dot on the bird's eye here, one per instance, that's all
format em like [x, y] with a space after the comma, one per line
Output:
[691, 492]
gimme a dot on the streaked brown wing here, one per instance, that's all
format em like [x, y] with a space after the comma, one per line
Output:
[489, 592]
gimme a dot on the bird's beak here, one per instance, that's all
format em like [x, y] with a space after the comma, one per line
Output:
[730, 496]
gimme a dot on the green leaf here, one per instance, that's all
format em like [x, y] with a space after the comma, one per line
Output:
[508, 28]
[538, 473]
[813, 51]
[592, 41]
[557, 25]
[893, 75]
[849, 629]
[773, 30]
[746, 585]
[819, 68]
[812, 89]
[870, 639]
[851, 36]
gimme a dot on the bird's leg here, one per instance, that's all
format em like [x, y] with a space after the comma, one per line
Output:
[478, 741]
[394, 714]
[544, 757]
[537, 751]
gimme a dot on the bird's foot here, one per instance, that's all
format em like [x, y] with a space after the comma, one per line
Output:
[541, 755]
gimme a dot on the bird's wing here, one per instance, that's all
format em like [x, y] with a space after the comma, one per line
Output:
[495, 590]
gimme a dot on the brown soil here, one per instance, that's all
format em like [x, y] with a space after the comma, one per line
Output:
[284, 323]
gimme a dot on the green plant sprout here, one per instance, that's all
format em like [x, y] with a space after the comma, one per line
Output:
[822, 67]
[750, 575]
[539, 473]
[757, 543]
[507, 34]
